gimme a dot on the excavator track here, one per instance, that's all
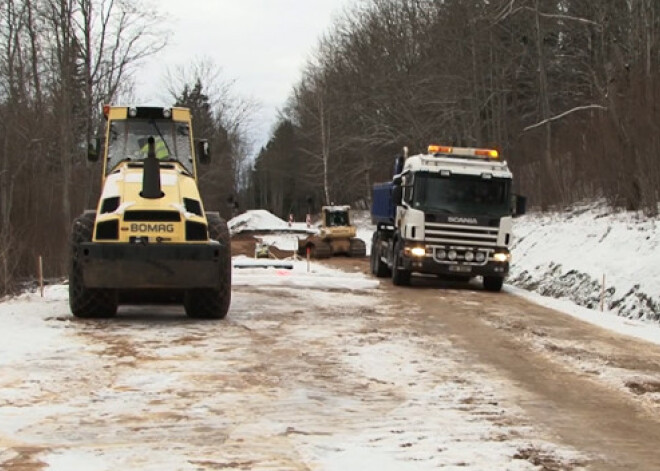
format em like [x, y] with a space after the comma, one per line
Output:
[321, 249]
[358, 248]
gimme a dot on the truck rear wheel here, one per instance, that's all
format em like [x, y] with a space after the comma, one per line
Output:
[378, 267]
[86, 302]
[213, 303]
[493, 283]
[400, 276]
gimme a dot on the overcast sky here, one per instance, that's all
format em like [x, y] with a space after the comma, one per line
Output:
[261, 44]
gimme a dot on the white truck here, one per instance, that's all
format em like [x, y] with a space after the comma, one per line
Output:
[447, 212]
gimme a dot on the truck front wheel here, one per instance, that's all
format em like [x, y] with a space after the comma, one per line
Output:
[86, 302]
[493, 283]
[400, 276]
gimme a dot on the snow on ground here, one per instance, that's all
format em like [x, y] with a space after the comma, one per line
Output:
[287, 242]
[566, 254]
[557, 255]
[294, 379]
[301, 275]
[631, 327]
[15, 324]
[365, 229]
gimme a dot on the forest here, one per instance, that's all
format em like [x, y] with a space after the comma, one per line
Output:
[566, 90]
[60, 61]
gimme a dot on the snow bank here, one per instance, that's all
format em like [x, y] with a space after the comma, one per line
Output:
[256, 220]
[20, 324]
[260, 220]
[566, 254]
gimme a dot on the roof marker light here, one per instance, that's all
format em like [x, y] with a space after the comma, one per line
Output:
[435, 149]
[491, 153]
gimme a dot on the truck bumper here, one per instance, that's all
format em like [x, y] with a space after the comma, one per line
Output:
[457, 269]
[136, 266]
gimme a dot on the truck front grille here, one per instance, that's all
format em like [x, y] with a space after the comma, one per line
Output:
[460, 235]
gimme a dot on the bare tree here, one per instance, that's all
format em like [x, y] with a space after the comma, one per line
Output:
[561, 88]
[221, 115]
[59, 59]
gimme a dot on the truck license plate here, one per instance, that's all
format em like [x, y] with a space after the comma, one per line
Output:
[460, 268]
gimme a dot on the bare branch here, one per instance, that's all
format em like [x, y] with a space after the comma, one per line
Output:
[564, 114]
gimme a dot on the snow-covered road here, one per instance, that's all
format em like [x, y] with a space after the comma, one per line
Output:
[293, 379]
[359, 376]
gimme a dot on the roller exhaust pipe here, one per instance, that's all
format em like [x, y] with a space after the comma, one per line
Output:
[151, 175]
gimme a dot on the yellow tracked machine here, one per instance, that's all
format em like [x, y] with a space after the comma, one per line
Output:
[337, 236]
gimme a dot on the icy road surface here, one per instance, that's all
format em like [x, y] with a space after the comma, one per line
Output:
[299, 377]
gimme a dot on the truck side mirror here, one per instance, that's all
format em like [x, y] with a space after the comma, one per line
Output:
[396, 194]
[94, 150]
[203, 151]
[519, 205]
[398, 164]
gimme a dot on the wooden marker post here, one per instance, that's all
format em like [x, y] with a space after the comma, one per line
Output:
[40, 271]
[309, 256]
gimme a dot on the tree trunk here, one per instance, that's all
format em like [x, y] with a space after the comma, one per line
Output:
[325, 147]
[549, 192]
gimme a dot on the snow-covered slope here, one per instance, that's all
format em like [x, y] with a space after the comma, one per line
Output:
[566, 254]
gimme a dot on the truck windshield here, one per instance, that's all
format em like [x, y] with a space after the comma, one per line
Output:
[128, 142]
[462, 194]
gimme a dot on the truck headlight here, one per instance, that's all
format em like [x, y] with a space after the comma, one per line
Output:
[418, 251]
[502, 257]
[451, 255]
[440, 254]
[480, 257]
[469, 256]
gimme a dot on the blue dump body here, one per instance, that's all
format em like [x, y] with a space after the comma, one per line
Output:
[382, 206]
